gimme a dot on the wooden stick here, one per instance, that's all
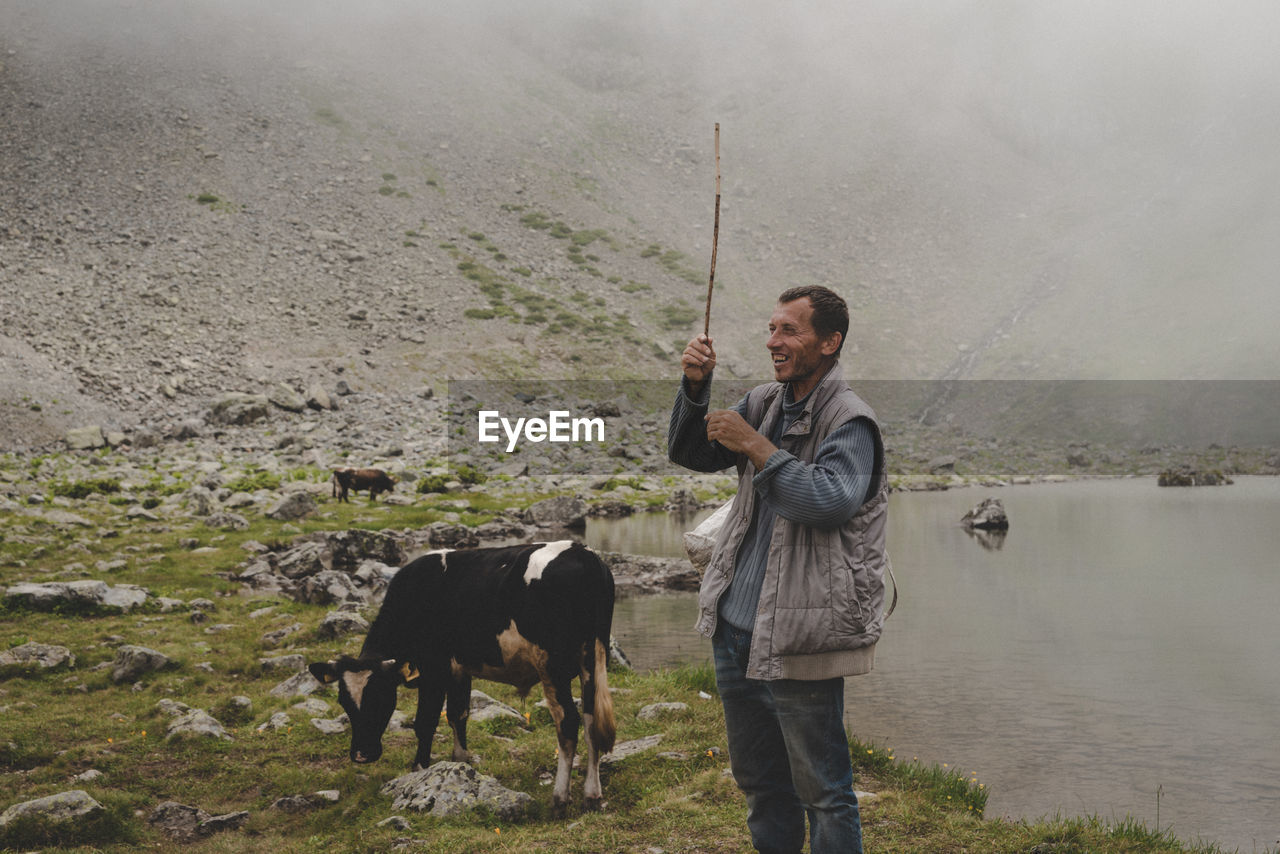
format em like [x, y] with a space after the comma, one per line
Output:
[715, 239]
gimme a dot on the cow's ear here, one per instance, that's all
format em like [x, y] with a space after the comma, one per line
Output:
[409, 672]
[324, 671]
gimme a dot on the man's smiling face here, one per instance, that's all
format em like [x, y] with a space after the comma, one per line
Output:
[800, 356]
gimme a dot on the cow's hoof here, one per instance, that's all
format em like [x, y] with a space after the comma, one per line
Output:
[593, 804]
[559, 810]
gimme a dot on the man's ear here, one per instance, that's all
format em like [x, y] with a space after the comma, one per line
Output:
[324, 671]
[831, 345]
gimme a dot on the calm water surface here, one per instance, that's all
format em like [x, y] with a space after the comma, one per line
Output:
[1122, 640]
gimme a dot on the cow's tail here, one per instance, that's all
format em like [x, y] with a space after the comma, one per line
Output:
[604, 729]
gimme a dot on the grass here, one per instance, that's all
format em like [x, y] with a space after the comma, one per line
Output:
[677, 797]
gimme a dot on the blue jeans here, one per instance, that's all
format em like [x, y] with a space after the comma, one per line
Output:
[789, 754]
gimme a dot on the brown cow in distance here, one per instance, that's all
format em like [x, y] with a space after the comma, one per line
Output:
[353, 480]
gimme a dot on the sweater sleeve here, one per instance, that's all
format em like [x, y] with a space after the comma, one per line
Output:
[687, 442]
[827, 492]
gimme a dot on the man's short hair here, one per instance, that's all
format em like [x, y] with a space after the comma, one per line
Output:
[830, 313]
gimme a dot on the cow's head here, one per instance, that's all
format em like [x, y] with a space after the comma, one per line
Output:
[367, 692]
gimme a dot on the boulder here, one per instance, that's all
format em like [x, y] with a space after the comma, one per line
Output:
[294, 506]
[562, 511]
[132, 662]
[297, 685]
[453, 788]
[287, 397]
[318, 398]
[987, 515]
[653, 711]
[184, 823]
[186, 721]
[328, 587]
[337, 624]
[238, 409]
[64, 806]
[85, 438]
[32, 654]
[88, 594]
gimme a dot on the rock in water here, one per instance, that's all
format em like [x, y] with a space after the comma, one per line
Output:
[989, 515]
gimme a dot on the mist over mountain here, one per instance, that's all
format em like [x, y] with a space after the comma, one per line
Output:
[203, 196]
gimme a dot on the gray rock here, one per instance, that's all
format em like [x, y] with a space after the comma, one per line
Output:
[200, 502]
[485, 708]
[227, 521]
[653, 711]
[287, 397]
[329, 587]
[238, 409]
[275, 638]
[184, 823]
[84, 593]
[197, 723]
[275, 723]
[298, 685]
[453, 788]
[291, 663]
[318, 398]
[331, 727]
[64, 806]
[987, 515]
[85, 438]
[562, 511]
[631, 748]
[32, 654]
[338, 624]
[945, 464]
[296, 505]
[133, 661]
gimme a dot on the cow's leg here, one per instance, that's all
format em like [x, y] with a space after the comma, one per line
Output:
[457, 711]
[592, 791]
[430, 699]
[559, 692]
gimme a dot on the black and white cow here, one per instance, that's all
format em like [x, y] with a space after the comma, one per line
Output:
[527, 614]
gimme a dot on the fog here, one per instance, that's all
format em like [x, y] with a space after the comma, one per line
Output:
[1002, 189]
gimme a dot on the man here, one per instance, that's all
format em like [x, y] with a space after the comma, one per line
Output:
[793, 596]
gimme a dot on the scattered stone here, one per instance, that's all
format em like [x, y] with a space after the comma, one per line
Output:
[291, 663]
[238, 409]
[276, 722]
[294, 506]
[187, 721]
[32, 654]
[287, 398]
[132, 662]
[945, 464]
[485, 708]
[452, 788]
[631, 748]
[562, 511]
[653, 711]
[83, 594]
[988, 515]
[85, 438]
[331, 727]
[298, 685]
[64, 806]
[89, 776]
[337, 624]
[184, 823]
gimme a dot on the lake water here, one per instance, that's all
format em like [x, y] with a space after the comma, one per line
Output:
[1121, 646]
